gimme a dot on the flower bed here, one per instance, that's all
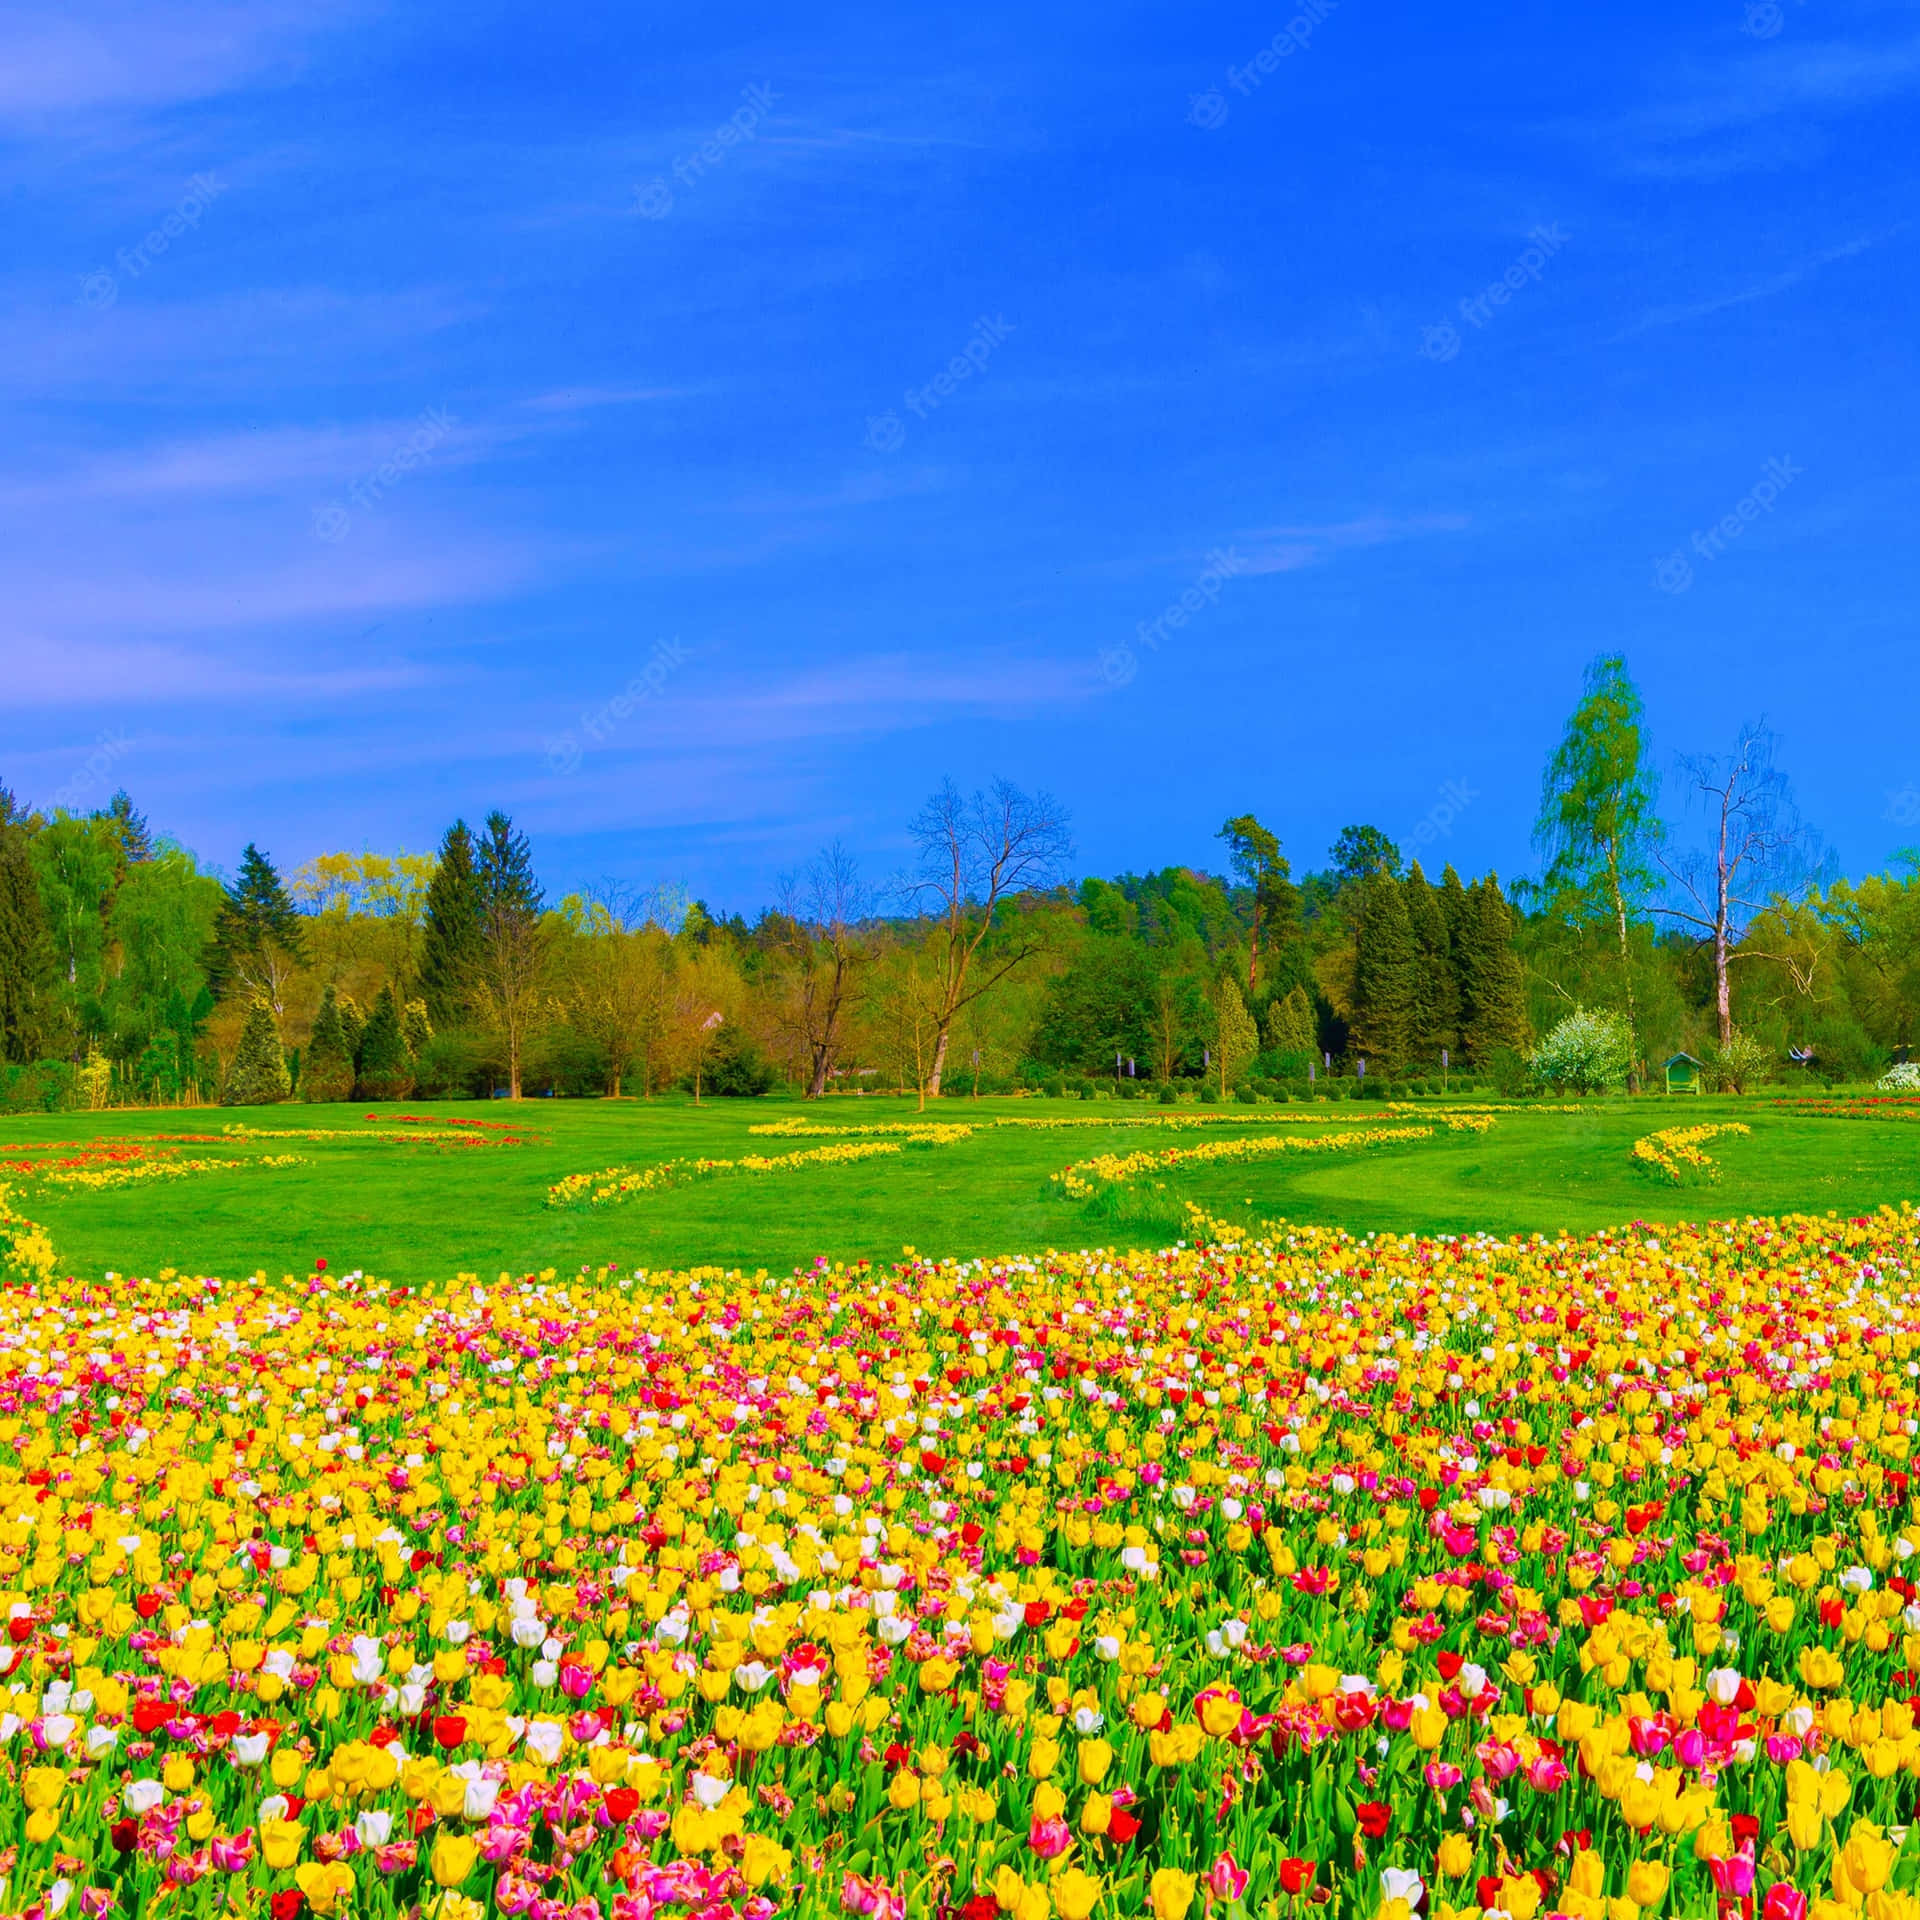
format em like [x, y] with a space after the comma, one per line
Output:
[1675, 1152]
[1310, 1574]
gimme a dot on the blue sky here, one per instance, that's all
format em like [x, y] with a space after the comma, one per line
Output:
[493, 429]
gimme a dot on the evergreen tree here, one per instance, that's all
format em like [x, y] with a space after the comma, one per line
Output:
[258, 936]
[417, 1027]
[1236, 1040]
[1290, 1029]
[1493, 984]
[386, 1067]
[27, 982]
[353, 1023]
[1386, 986]
[450, 939]
[1361, 852]
[135, 835]
[511, 962]
[259, 1077]
[327, 1071]
[1436, 1012]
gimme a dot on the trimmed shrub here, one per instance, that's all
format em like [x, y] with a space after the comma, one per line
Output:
[259, 1076]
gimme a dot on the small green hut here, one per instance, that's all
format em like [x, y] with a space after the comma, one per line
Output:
[1683, 1073]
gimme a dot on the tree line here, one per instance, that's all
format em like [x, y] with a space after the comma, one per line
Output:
[128, 972]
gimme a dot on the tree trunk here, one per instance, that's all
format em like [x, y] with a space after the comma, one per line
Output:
[932, 1082]
[1626, 972]
[817, 1084]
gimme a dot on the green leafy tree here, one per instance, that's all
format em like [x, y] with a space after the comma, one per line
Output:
[1386, 962]
[27, 978]
[417, 1028]
[327, 1071]
[386, 1067]
[259, 1076]
[161, 922]
[1599, 824]
[79, 861]
[258, 938]
[450, 937]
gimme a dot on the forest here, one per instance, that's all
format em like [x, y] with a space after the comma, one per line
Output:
[130, 973]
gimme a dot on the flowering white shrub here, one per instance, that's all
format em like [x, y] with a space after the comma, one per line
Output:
[1589, 1050]
[1905, 1078]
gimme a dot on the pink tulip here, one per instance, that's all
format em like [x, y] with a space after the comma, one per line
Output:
[1226, 1880]
[1783, 1902]
[1050, 1838]
[1734, 1877]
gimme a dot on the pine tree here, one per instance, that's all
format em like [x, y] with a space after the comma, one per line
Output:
[258, 935]
[327, 1071]
[259, 1077]
[513, 948]
[450, 939]
[135, 836]
[1436, 1012]
[386, 1067]
[28, 986]
[1386, 986]
[1493, 984]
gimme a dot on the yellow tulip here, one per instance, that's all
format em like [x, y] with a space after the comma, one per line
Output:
[453, 1859]
[1171, 1893]
[1647, 1882]
[1456, 1855]
[280, 1842]
[903, 1791]
[1075, 1894]
[1094, 1757]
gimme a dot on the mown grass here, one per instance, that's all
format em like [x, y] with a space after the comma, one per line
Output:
[422, 1212]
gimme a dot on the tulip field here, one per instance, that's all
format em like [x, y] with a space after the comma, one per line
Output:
[1279, 1568]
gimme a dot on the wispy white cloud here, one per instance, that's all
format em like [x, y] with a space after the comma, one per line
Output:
[1682, 311]
[1286, 549]
[84, 55]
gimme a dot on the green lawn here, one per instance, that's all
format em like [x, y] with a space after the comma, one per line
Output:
[421, 1212]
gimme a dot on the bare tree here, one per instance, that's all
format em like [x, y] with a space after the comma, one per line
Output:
[972, 855]
[618, 980]
[1758, 850]
[825, 936]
